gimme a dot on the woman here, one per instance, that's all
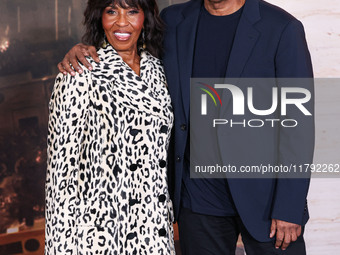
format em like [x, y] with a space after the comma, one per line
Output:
[106, 188]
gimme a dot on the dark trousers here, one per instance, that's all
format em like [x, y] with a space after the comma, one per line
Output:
[212, 235]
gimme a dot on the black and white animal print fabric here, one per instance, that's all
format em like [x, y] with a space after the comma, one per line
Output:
[106, 186]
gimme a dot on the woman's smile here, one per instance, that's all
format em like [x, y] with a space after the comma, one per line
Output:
[122, 35]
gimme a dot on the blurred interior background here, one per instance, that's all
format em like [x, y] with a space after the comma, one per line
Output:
[34, 35]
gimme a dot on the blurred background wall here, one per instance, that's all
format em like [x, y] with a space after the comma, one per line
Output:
[35, 35]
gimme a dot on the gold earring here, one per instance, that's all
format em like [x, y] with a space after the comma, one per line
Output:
[143, 39]
[104, 44]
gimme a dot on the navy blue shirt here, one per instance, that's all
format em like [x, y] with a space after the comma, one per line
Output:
[214, 41]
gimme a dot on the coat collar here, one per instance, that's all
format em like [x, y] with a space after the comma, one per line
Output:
[109, 56]
[147, 92]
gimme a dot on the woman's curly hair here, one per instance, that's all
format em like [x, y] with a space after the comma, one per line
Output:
[153, 25]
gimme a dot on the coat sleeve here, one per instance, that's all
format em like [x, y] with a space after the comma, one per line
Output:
[68, 110]
[296, 146]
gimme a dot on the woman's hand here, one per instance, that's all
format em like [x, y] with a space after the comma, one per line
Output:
[79, 53]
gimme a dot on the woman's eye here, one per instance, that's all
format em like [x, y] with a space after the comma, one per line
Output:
[110, 11]
[134, 11]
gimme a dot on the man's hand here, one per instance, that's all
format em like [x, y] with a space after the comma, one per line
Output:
[78, 53]
[286, 233]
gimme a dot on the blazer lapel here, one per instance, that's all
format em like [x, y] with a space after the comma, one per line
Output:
[245, 39]
[186, 35]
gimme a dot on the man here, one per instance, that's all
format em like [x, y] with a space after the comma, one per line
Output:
[233, 39]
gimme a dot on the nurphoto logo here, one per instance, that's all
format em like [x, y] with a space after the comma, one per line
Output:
[243, 104]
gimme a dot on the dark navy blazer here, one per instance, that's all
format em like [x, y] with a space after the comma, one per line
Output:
[268, 43]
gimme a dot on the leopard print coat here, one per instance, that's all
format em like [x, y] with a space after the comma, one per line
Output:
[106, 186]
